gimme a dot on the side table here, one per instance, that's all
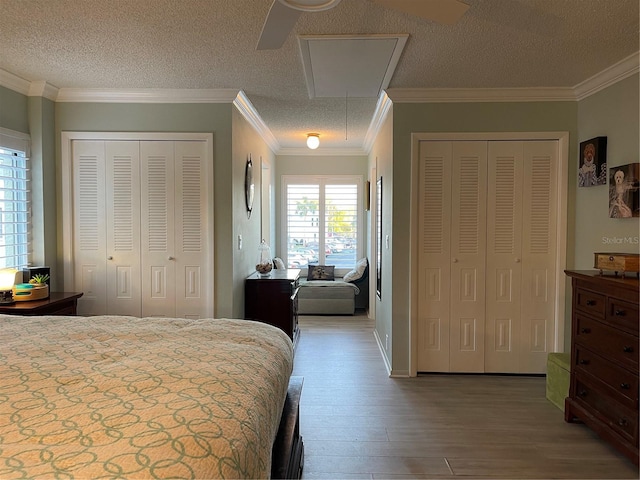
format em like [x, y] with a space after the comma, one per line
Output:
[58, 303]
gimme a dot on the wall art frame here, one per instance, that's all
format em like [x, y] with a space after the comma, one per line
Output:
[592, 164]
[624, 191]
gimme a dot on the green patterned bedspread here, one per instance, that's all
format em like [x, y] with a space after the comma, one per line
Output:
[124, 397]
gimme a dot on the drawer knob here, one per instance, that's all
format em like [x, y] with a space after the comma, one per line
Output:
[584, 362]
[591, 303]
[620, 313]
[623, 422]
[611, 258]
[625, 386]
[582, 393]
[585, 330]
[627, 349]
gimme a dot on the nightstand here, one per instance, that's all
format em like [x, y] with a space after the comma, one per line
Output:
[58, 303]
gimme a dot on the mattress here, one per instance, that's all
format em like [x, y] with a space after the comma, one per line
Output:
[125, 397]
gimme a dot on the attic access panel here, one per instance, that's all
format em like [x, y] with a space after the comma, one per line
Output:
[350, 65]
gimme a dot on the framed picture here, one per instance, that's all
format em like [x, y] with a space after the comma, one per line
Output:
[592, 166]
[624, 194]
[379, 238]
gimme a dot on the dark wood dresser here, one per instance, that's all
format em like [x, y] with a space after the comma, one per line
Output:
[57, 303]
[603, 392]
[274, 300]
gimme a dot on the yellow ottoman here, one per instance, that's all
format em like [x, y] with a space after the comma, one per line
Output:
[558, 365]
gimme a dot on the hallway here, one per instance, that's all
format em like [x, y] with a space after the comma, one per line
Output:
[357, 423]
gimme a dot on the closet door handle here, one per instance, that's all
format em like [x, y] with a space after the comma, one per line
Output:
[517, 260]
[171, 258]
[110, 257]
[454, 260]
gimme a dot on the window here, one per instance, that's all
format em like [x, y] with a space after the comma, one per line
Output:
[15, 218]
[322, 220]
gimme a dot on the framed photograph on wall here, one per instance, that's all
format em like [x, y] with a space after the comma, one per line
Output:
[624, 194]
[592, 166]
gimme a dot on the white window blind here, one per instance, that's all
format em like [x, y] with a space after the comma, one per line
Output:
[322, 221]
[15, 213]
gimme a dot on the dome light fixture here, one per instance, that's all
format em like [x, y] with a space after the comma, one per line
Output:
[313, 140]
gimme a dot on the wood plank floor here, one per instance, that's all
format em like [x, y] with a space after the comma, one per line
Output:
[357, 423]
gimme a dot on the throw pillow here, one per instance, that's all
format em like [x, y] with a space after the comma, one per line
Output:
[279, 264]
[321, 272]
[358, 272]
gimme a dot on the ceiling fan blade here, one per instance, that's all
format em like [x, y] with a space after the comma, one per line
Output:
[277, 26]
[447, 12]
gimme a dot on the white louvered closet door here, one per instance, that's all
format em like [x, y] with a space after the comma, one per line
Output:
[107, 227]
[123, 228]
[90, 226]
[452, 259]
[538, 321]
[434, 282]
[495, 300]
[142, 242]
[174, 258]
[468, 245]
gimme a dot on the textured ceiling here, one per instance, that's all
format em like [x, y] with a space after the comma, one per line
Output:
[211, 44]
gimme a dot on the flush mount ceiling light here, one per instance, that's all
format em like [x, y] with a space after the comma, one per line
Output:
[313, 140]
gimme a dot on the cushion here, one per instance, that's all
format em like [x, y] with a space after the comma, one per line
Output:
[358, 272]
[278, 263]
[321, 272]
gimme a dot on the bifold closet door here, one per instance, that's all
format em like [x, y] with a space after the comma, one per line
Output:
[174, 206]
[487, 249]
[452, 225]
[107, 227]
[521, 255]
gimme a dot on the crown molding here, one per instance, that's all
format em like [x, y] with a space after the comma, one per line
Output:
[43, 89]
[382, 109]
[471, 95]
[251, 115]
[14, 82]
[624, 68]
[147, 95]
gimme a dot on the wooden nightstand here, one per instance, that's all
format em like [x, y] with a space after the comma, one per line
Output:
[274, 300]
[58, 303]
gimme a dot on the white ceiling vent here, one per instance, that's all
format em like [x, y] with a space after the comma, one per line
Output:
[349, 65]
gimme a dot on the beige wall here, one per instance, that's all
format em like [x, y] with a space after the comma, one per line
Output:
[612, 113]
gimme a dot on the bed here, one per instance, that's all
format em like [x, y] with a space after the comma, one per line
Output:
[126, 397]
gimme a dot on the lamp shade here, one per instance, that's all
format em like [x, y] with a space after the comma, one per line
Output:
[7, 278]
[313, 140]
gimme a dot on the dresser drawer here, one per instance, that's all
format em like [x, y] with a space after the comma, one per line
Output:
[623, 314]
[591, 302]
[611, 343]
[622, 420]
[623, 384]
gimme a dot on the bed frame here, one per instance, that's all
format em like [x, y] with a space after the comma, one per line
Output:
[287, 459]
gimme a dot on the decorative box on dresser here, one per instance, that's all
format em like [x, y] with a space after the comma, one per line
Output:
[273, 299]
[603, 392]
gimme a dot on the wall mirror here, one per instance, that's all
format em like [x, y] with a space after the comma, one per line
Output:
[249, 187]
